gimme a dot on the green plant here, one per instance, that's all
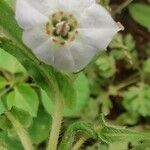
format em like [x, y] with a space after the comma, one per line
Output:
[35, 98]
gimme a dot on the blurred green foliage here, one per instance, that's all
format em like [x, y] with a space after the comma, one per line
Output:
[140, 13]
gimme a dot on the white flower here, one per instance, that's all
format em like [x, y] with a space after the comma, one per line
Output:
[65, 33]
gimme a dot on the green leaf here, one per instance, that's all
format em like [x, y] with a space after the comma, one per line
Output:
[140, 13]
[109, 134]
[9, 63]
[2, 107]
[136, 100]
[81, 87]
[22, 116]
[40, 127]
[106, 66]
[129, 42]
[8, 22]
[3, 82]
[9, 143]
[25, 98]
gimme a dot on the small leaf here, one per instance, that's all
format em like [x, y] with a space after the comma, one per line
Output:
[106, 66]
[140, 13]
[9, 143]
[40, 127]
[9, 63]
[136, 100]
[25, 98]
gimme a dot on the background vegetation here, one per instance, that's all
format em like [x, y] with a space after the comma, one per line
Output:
[116, 83]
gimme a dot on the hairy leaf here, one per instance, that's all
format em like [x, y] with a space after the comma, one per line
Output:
[109, 134]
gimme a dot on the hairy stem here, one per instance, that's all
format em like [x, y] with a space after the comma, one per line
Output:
[56, 125]
[79, 143]
[21, 132]
[83, 139]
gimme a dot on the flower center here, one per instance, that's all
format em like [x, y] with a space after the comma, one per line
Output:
[62, 27]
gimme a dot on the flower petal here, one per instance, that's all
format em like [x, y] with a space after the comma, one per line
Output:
[75, 6]
[98, 38]
[28, 17]
[82, 54]
[43, 6]
[35, 37]
[97, 27]
[63, 59]
[97, 17]
[56, 56]
[47, 51]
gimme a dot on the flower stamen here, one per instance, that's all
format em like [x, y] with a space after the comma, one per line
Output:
[62, 27]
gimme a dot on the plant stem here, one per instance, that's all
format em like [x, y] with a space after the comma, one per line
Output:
[56, 124]
[79, 143]
[21, 132]
[84, 138]
[121, 7]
